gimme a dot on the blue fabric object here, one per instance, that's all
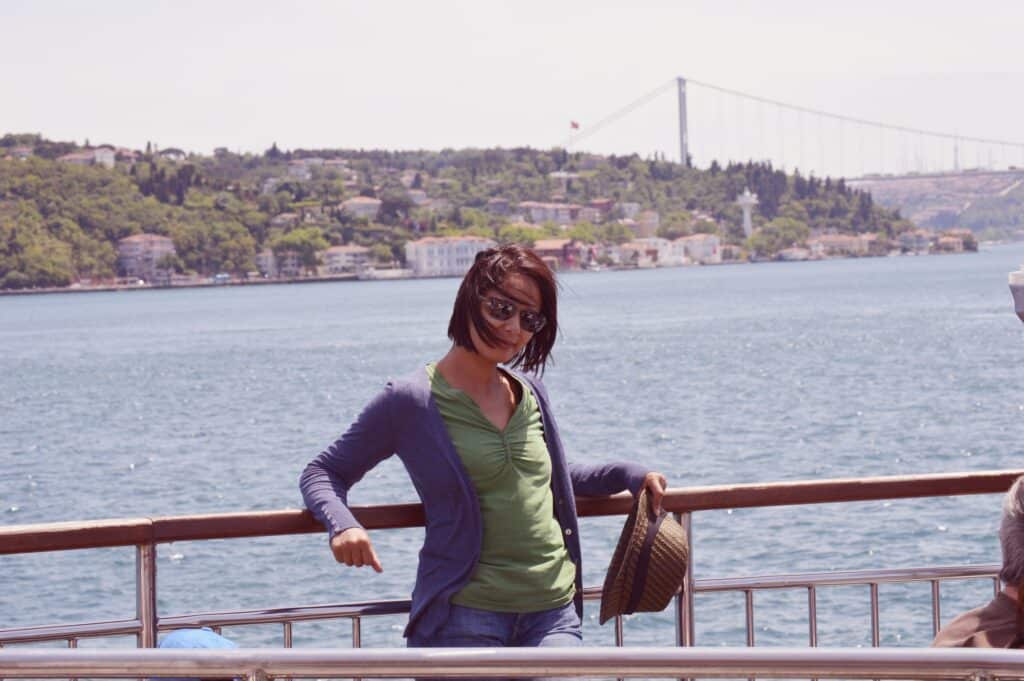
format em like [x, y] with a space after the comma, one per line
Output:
[404, 420]
[473, 628]
[193, 638]
[196, 638]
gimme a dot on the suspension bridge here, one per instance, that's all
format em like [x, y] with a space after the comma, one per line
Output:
[723, 125]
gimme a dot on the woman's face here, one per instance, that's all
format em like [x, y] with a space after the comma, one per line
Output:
[524, 296]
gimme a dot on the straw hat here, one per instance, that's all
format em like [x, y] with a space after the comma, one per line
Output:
[649, 564]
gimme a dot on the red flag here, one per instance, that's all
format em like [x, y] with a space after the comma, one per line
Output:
[574, 125]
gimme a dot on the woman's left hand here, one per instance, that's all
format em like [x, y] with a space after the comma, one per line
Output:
[656, 485]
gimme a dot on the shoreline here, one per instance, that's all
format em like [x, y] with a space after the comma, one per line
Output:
[111, 288]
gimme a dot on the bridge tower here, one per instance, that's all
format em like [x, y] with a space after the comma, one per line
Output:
[684, 153]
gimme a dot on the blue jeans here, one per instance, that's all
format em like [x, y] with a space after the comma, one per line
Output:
[473, 628]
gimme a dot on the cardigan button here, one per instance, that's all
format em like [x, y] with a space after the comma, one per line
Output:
[568, 531]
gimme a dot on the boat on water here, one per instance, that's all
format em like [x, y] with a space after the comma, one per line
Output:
[1017, 290]
[628, 658]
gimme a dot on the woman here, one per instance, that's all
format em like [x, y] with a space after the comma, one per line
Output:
[500, 564]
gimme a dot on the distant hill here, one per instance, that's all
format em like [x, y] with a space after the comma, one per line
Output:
[977, 200]
[61, 216]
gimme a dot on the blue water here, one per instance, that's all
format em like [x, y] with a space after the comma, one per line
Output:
[195, 401]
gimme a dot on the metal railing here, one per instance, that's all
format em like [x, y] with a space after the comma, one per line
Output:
[146, 533]
[974, 664]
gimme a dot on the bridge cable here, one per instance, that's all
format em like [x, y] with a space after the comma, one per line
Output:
[852, 119]
[611, 118]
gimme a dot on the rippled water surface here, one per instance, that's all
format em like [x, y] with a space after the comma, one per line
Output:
[200, 401]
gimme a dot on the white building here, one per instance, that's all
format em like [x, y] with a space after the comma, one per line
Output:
[362, 207]
[299, 170]
[338, 259]
[101, 156]
[660, 249]
[703, 248]
[561, 213]
[448, 256]
[104, 156]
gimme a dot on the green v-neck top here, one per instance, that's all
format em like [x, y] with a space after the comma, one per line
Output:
[523, 565]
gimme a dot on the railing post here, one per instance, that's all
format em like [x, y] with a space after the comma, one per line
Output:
[684, 600]
[145, 593]
[875, 629]
[936, 608]
[812, 615]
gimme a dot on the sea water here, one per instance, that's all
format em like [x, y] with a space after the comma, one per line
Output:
[175, 402]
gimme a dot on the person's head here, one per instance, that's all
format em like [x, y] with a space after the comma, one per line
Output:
[507, 308]
[1011, 534]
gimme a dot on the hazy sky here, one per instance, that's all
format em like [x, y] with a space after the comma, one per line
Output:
[449, 73]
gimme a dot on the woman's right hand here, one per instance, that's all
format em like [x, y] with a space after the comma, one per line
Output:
[353, 547]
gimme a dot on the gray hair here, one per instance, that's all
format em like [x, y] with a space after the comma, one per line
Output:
[1011, 534]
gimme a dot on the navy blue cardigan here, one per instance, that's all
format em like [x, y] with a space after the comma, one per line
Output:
[404, 420]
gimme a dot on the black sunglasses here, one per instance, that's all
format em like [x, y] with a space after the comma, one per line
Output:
[503, 310]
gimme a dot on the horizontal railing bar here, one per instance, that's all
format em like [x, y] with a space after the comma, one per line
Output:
[130, 532]
[56, 632]
[401, 606]
[846, 578]
[89, 534]
[278, 615]
[893, 663]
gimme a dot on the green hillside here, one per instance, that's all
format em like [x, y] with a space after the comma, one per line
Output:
[60, 223]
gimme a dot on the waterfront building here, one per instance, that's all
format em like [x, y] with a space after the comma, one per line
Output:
[449, 256]
[340, 259]
[838, 245]
[659, 249]
[362, 207]
[559, 253]
[916, 241]
[949, 244]
[634, 253]
[794, 254]
[701, 248]
[139, 255]
[266, 263]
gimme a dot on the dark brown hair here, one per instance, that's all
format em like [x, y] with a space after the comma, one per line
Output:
[489, 271]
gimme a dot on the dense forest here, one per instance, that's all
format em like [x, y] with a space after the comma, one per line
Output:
[60, 222]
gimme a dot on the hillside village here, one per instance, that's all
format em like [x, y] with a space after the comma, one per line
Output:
[104, 214]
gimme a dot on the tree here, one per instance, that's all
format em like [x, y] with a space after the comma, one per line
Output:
[307, 242]
[382, 254]
[615, 233]
[518, 234]
[273, 153]
[778, 234]
[675, 225]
